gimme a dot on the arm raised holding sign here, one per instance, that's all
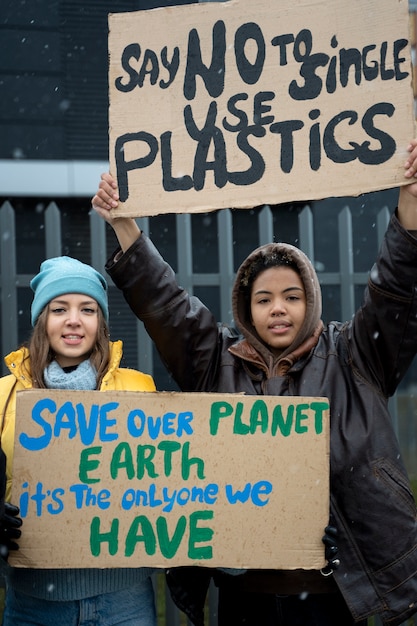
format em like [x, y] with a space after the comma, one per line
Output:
[69, 349]
[283, 348]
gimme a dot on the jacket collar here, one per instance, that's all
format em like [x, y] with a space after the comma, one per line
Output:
[275, 366]
[116, 352]
[18, 363]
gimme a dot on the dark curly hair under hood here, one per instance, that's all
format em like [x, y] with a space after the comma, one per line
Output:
[270, 255]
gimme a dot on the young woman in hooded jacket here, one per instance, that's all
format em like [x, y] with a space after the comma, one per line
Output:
[284, 348]
[69, 349]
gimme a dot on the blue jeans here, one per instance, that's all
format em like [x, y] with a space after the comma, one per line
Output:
[134, 606]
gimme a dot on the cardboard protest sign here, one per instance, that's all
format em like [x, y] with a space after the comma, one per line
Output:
[124, 479]
[241, 103]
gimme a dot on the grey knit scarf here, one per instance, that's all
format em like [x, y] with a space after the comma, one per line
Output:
[83, 378]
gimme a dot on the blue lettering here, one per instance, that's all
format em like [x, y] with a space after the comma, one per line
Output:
[136, 430]
[65, 419]
[55, 497]
[153, 500]
[259, 489]
[255, 492]
[87, 427]
[238, 496]
[167, 424]
[154, 426]
[184, 423]
[106, 423]
[78, 491]
[41, 442]
[137, 421]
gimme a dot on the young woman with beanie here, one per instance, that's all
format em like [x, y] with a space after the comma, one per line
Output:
[285, 349]
[70, 349]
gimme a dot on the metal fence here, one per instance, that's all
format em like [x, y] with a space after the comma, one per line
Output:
[10, 281]
[346, 279]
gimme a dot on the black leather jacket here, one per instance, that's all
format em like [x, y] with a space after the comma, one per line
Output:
[357, 365]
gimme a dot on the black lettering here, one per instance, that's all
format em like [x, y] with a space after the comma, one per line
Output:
[123, 166]
[241, 115]
[303, 45]
[282, 41]
[209, 134]
[171, 65]
[309, 63]
[286, 130]
[369, 71]
[315, 142]
[257, 168]
[150, 66]
[335, 152]
[259, 108]
[399, 45]
[350, 57]
[331, 81]
[213, 76]
[131, 51]
[169, 183]
[388, 145]
[386, 74]
[249, 72]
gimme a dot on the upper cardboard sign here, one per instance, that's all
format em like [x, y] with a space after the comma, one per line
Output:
[123, 479]
[242, 103]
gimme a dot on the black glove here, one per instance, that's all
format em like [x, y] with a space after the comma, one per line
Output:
[330, 550]
[9, 520]
[9, 530]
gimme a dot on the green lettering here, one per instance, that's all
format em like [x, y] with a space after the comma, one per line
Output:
[259, 416]
[239, 428]
[168, 448]
[88, 465]
[284, 425]
[218, 411]
[97, 538]
[319, 408]
[187, 462]
[200, 535]
[299, 416]
[144, 460]
[169, 547]
[147, 536]
[122, 459]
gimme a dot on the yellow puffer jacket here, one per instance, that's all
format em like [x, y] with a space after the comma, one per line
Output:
[115, 379]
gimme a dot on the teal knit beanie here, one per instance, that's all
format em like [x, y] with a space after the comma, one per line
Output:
[63, 275]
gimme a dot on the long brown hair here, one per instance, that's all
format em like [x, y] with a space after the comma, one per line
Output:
[41, 355]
